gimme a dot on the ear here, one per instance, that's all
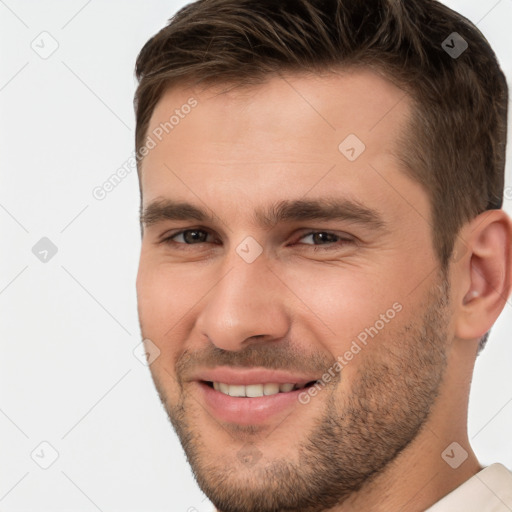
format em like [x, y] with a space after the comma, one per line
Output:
[482, 276]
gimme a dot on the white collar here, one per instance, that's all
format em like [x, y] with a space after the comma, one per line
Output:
[490, 490]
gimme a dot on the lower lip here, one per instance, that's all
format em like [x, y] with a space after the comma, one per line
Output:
[248, 411]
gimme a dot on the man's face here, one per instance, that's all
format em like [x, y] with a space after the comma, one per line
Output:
[312, 259]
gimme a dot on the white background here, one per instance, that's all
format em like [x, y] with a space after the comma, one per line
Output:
[68, 327]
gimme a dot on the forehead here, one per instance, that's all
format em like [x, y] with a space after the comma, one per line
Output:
[287, 136]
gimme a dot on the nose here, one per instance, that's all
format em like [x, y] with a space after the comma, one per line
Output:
[248, 301]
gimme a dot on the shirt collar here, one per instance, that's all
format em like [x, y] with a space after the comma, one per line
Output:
[490, 490]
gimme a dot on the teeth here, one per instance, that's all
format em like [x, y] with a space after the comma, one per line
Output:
[270, 389]
[254, 390]
[236, 390]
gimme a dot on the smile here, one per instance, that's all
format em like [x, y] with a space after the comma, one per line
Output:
[256, 390]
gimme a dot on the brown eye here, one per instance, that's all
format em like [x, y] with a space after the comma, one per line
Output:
[188, 236]
[323, 238]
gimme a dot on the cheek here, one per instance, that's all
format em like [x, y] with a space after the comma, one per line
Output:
[155, 302]
[160, 308]
[169, 299]
[159, 311]
[163, 297]
[345, 302]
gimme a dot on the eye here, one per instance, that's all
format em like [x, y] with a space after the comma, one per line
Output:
[321, 238]
[188, 237]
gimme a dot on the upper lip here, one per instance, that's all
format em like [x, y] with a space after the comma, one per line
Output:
[247, 376]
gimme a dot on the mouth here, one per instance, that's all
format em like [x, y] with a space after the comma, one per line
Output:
[256, 390]
[254, 403]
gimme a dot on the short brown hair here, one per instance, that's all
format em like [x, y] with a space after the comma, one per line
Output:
[455, 144]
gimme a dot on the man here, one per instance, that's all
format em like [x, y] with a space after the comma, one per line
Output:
[324, 250]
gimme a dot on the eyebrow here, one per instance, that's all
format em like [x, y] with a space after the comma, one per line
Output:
[283, 211]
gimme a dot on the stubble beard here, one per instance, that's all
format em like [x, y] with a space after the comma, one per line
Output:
[354, 440]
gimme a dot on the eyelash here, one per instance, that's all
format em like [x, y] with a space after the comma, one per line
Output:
[326, 246]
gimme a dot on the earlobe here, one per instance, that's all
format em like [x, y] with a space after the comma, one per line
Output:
[485, 273]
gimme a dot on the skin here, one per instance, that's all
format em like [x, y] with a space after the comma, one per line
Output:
[372, 438]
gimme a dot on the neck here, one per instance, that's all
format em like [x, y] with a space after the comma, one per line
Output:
[417, 478]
